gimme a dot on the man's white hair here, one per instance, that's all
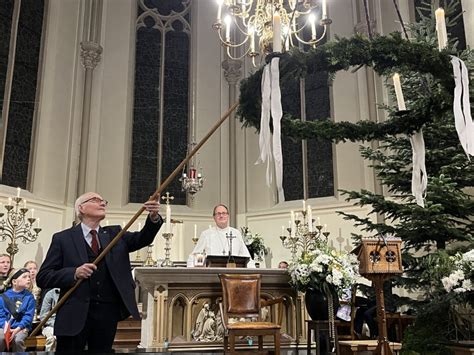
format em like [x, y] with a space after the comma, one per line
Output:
[80, 200]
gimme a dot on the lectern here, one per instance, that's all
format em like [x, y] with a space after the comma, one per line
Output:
[379, 259]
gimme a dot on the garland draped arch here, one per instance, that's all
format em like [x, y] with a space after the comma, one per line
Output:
[386, 55]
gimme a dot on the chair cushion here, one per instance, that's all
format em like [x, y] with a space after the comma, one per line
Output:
[253, 325]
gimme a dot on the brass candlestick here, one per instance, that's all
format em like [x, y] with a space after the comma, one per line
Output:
[167, 262]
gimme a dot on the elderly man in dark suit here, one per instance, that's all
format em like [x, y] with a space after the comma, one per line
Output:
[106, 295]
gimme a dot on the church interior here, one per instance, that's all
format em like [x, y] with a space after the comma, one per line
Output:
[341, 137]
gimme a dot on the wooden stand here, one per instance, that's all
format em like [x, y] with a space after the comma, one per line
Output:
[379, 259]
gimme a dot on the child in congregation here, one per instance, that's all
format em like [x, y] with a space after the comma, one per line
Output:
[17, 308]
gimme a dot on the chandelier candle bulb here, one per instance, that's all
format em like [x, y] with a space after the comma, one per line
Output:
[312, 21]
[318, 221]
[304, 205]
[24, 203]
[252, 39]
[283, 230]
[276, 32]
[399, 92]
[18, 192]
[292, 222]
[324, 9]
[9, 201]
[195, 231]
[227, 28]
[441, 29]
[219, 10]
[38, 223]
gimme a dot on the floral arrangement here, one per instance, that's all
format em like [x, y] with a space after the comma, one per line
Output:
[461, 279]
[254, 243]
[324, 269]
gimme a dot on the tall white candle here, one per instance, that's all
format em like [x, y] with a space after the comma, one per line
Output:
[32, 212]
[18, 192]
[24, 203]
[9, 201]
[441, 29]
[195, 231]
[227, 28]
[38, 223]
[304, 205]
[276, 32]
[168, 219]
[309, 213]
[399, 92]
[318, 222]
[292, 222]
[282, 230]
[325, 9]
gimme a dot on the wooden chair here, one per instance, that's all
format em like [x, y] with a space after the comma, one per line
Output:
[241, 299]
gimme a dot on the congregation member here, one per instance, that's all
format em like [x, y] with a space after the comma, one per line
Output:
[50, 300]
[215, 241]
[32, 267]
[5, 268]
[17, 308]
[106, 294]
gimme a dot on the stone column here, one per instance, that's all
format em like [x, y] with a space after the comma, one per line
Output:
[232, 74]
[91, 52]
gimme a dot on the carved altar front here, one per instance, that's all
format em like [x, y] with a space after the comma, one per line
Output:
[181, 306]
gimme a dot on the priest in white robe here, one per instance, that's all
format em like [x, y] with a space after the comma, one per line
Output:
[216, 241]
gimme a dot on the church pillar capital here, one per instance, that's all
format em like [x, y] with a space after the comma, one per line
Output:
[232, 72]
[90, 54]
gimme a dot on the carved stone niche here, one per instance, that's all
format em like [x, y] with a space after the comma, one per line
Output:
[380, 256]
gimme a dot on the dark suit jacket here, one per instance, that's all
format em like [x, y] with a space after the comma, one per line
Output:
[68, 251]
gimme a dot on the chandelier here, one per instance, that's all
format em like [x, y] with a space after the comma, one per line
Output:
[191, 179]
[266, 26]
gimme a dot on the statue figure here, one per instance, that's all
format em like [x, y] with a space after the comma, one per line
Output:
[219, 327]
[209, 328]
[201, 319]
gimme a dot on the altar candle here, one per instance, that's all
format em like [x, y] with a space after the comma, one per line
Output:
[325, 229]
[24, 203]
[9, 201]
[195, 231]
[325, 9]
[168, 219]
[276, 32]
[18, 192]
[310, 218]
[32, 212]
[227, 28]
[318, 221]
[282, 230]
[38, 223]
[292, 222]
[399, 92]
[441, 29]
[304, 205]
[287, 38]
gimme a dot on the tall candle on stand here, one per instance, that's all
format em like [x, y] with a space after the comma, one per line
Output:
[292, 223]
[325, 9]
[18, 192]
[195, 231]
[168, 219]
[276, 32]
[399, 92]
[252, 39]
[441, 29]
[227, 28]
[312, 21]
[304, 205]
[219, 10]
[309, 213]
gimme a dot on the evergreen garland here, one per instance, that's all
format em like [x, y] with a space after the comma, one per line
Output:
[386, 55]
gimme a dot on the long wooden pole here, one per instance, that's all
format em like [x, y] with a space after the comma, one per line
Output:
[157, 193]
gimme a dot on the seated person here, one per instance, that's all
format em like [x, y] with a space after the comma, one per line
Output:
[214, 241]
[49, 301]
[283, 265]
[32, 267]
[17, 308]
[5, 268]
[368, 312]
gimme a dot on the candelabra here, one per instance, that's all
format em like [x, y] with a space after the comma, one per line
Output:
[167, 262]
[270, 24]
[17, 226]
[304, 236]
[192, 181]
[149, 257]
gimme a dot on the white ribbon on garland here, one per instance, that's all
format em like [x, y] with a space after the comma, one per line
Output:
[271, 107]
[462, 106]
[419, 178]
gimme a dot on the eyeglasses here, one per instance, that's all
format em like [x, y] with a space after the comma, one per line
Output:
[97, 200]
[220, 214]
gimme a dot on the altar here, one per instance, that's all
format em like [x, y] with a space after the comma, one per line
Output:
[180, 308]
